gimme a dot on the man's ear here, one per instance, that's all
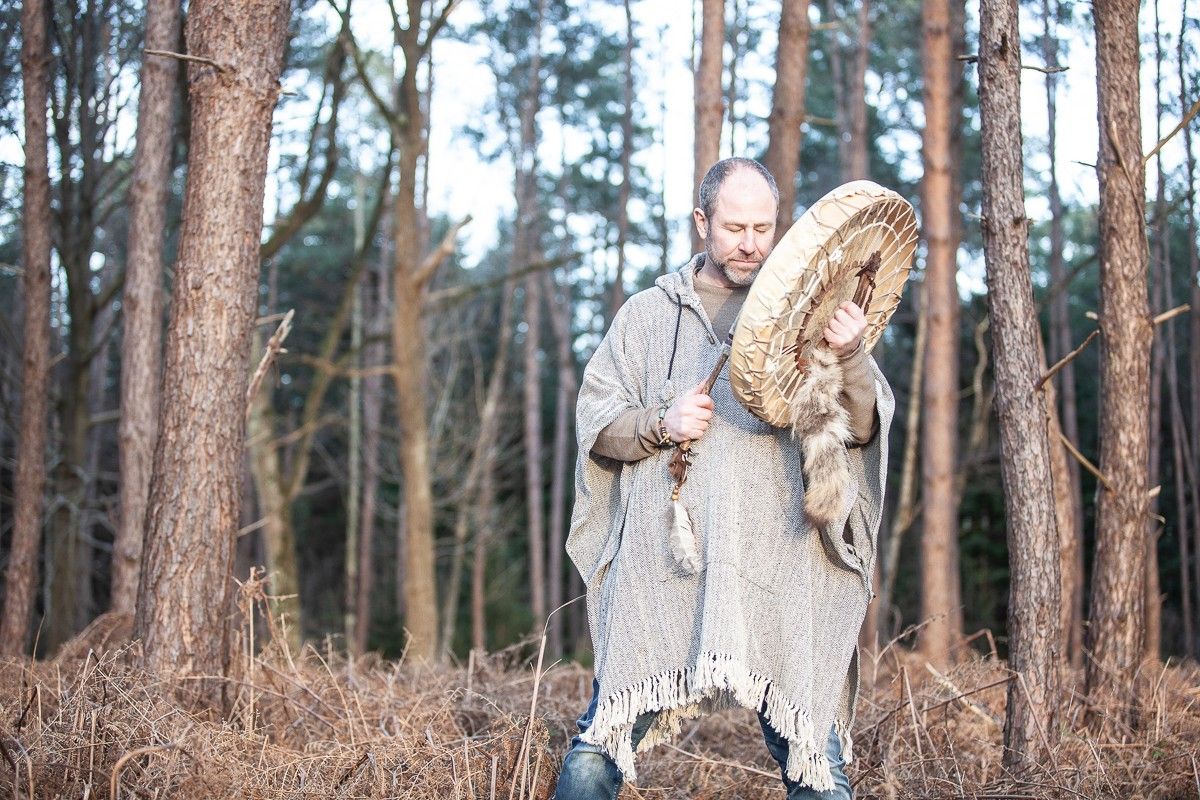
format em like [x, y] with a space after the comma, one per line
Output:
[701, 223]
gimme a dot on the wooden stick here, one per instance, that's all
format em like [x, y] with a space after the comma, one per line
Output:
[1174, 312]
[186, 57]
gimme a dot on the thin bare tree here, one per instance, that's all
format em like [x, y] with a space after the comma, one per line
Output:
[1114, 633]
[709, 98]
[940, 579]
[1030, 728]
[20, 577]
[787, 108]
[411, 276]
[142, 300]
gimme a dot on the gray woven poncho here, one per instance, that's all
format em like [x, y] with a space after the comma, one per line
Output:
[771, 619]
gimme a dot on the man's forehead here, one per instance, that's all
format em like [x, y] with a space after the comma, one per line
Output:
[745, 194]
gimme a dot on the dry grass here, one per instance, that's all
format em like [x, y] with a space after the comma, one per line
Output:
[318, 725]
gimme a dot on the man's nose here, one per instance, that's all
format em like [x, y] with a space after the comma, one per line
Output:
[747, 243]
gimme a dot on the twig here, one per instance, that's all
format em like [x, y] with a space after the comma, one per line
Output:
[1182, 124]
[274, 347]
[716, 763]
[115, 781]
[1045, 70]
[1082, 459]
[971, 706]
[1062, 362]
[1159, 319]
[971, 58]
[186, 57]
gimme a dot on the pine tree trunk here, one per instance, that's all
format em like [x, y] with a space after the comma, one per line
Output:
[185, 586]
[275, 506]
[1030, 730]
[374, 355]
[1061, 343]
[1191, 445]
[857, 164]
[709, 100]
[142, 300]
[20, 577]
[787, 108]
[1118, 576]
[617, 298]
[564, 413]
[939, 435]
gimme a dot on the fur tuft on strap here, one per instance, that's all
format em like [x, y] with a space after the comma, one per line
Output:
[822, 424]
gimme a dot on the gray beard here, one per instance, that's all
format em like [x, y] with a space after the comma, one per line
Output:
[729, 275]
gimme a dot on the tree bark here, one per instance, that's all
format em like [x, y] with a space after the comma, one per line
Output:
[1030, 729]
[185, 586]
[374, 355]
[564, 413]
[709, 99]
[1152, 636]
[1114, 633]
[857, 162]
[617, 298]
[940, 592]
[1061, 343]
[1192, 444]
[142, 300]
[787, 108]
[20, 577]
[525, 244]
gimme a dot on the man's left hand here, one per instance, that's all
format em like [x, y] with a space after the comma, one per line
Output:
[845, 329]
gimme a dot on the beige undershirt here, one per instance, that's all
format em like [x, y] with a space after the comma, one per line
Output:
[634, 435]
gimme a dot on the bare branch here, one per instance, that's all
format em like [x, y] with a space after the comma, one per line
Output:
[274, 347]
[1195, 109]
[434, 260]
[453, 294]
[187, 57]
[1062, 362]
[436, 25]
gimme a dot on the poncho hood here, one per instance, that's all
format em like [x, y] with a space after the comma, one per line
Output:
[770, 621]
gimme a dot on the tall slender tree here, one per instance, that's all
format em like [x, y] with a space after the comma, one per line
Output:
[411, 276]
[1118, 575]
[787, 108]
[709, 98]
[143, 295]
[940, 592]
[1061, 344]
[20, 578]
[184, 591]
[1033, 616]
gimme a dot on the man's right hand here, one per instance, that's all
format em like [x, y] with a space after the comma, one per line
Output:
[690, 414]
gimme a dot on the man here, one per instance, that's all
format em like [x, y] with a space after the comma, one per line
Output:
[770, 620]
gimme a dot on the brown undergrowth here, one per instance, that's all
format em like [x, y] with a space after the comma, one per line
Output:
[90, 723]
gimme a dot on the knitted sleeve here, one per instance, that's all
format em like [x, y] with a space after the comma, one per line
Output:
[858, 396]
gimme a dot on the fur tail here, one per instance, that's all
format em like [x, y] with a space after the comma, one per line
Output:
[823, 427]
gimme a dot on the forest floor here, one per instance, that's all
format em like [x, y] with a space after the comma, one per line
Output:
[90, 724]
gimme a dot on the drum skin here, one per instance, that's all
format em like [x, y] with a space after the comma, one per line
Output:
[814, 268]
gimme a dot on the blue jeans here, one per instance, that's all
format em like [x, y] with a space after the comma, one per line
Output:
[588, 774]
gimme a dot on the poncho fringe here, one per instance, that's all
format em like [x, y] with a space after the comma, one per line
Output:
[717, 681]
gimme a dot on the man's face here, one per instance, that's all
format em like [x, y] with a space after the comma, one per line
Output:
[741, 232]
